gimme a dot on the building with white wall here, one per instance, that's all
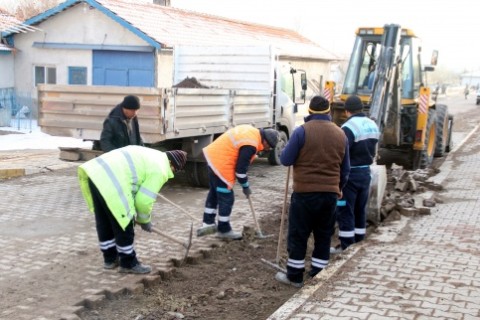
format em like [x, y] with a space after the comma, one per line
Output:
[122, 43]
[8, 25]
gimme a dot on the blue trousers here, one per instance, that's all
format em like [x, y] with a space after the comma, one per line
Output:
[352, 208]
[221, 198]
[309, 212]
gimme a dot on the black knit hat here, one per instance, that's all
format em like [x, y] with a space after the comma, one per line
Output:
[271, 136]
[319, 105]
[353, 103]
[178, 159]
[131, 102]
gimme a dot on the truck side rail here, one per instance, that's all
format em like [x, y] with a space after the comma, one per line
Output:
[79, 111]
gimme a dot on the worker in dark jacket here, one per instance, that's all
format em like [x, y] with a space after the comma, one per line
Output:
[120, 128]
[362, 134]
[318, 151]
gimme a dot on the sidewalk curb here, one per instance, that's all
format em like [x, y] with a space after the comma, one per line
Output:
[11, 173]
[392, 230]
[447, 165]
[20, 172]
[321, 279]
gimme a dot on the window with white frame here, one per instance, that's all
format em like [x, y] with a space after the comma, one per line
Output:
[45, 74]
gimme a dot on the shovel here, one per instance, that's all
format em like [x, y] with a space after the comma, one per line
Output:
[282, 218]
[276, 265]
[260, 234]
[186, 245]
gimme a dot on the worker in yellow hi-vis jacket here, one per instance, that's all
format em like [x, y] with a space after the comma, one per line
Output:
[120, 187]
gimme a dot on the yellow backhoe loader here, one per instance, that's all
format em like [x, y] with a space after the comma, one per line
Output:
[386, 72]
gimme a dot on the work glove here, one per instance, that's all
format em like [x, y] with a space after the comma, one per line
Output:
[146, 226]
[247, 191]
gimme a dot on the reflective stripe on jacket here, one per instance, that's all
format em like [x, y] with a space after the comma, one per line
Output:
[222, 154]
[128, 179]
[363, 135]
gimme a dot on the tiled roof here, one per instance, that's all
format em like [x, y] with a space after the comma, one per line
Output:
[166, 27]
[171, 26]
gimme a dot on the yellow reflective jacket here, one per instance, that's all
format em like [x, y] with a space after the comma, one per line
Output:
[128, 179]
[222, 154]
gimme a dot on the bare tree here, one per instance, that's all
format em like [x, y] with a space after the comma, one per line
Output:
[26, 9]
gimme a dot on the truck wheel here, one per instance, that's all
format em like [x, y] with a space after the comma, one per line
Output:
[442, 130]
[197, 174]
[274, 156]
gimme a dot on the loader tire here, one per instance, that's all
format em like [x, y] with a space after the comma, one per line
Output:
[274, 156]
[426, 155]
[448, 146]
[443, 132]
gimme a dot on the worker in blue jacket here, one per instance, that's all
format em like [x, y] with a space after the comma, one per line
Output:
[363, 135]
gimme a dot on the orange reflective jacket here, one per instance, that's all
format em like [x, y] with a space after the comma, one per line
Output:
[222, 154]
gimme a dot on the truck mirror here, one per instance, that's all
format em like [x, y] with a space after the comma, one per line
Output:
[428, 68]
[434, 59]
[303, 80]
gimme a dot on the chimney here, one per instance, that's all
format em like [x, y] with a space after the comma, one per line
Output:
[165, 3]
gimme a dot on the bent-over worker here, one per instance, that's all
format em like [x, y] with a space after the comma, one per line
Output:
[229, 158]
[120, 187]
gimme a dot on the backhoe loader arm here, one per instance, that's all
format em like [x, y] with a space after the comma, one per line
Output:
[385, 76]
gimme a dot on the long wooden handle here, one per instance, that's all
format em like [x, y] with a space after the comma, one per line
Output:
[257, 225]
[178, 207]
[169, 237]
[282, 218]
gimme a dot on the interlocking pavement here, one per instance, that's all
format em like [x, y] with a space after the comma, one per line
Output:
[50, 263]
[424, 267]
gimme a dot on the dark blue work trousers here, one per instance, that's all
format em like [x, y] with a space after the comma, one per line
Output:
[114, 241]
[309, 212]
[352, 208]
[219, 196]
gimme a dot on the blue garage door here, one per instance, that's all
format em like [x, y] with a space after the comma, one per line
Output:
[123, 68]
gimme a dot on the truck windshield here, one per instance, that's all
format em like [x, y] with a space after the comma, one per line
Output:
[411, 68]
[286, 82]
[407, 74]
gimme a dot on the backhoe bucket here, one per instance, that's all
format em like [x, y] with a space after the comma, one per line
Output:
[377, 191]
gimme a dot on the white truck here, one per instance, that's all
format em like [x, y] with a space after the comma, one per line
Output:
[240, 85]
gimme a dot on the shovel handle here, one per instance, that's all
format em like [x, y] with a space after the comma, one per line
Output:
[282, 218]
[169, 237]
[257, 225]
[178, 207]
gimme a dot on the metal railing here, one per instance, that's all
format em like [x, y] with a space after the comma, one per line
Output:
[18, 111]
